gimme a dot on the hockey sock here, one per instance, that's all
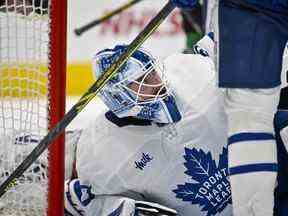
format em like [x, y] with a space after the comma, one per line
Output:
[252, 150]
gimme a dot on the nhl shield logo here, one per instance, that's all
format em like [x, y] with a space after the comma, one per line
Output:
[210, 187]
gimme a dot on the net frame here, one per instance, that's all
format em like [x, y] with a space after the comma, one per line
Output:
[58, 49]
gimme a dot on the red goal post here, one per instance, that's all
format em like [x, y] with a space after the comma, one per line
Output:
[58, 41]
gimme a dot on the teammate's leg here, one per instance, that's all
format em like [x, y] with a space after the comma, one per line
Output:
[251, 45]
[252, 150]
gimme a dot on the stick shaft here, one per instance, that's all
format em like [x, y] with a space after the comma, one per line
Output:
[192, 22]
[81, 30]
[86, 98]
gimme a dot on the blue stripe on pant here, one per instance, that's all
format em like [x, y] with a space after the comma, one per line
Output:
[256, 167]
[261, 167]
[240, 137]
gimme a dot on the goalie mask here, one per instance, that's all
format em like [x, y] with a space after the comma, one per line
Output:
[139, 89]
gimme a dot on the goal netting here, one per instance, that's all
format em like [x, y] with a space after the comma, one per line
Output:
[32, 86]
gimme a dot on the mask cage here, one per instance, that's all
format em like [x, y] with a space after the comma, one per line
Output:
[150, 84]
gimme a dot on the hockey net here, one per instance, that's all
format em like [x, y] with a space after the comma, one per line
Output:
[32, 89]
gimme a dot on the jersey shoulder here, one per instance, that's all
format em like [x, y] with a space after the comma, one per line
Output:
[192, 76]
[190, 70]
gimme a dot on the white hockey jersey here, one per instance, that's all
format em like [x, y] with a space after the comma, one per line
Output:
[182, 166]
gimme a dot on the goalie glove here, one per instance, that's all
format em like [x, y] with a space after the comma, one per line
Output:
[143, 208]
[205, 46]
[76, 197]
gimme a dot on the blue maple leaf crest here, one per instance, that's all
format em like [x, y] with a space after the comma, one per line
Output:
[209, 187]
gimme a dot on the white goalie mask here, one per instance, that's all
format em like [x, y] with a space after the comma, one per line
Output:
[139, 89]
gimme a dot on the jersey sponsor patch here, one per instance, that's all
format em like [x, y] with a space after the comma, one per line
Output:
[210, 187]
[146, 158]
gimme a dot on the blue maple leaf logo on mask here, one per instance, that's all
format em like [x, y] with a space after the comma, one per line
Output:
[209, 187]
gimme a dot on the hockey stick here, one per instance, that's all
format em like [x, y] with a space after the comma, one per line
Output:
[192, 22]
[81, 30]
[86, 98]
